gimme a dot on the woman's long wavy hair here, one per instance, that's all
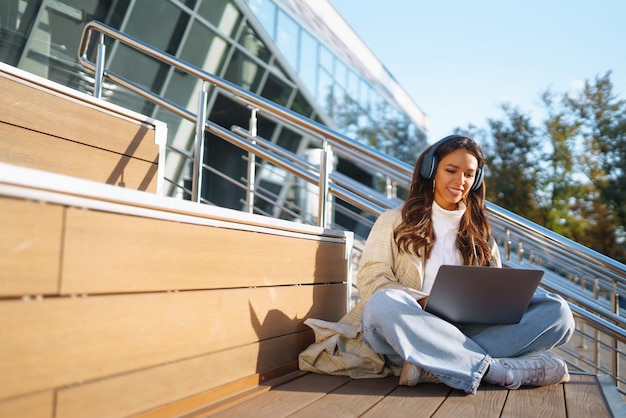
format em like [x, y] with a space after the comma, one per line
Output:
[415, 233]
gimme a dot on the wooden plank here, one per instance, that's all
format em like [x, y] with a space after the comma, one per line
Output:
[39, 109]
[32, 149]
[284, 400]
[350, 400]
[38, 405]
[64, 341]
[154, 254]
[407, 401]
[176, 382]
[488, 401]
[30, 247]
[583, 397]
[546, 401]
[223, 397]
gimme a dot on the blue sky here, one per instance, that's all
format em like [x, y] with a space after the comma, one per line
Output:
[459, 60]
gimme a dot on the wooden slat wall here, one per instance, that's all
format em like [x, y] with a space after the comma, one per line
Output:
[40, 128]
[170, 255]
[30, 247]
[116, 314]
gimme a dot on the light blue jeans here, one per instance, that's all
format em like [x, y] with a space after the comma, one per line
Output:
[395, 326]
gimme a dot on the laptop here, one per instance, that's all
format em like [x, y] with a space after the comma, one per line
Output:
[482, 295]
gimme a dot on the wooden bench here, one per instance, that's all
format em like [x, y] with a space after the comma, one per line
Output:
[51, 127]
[114, 302]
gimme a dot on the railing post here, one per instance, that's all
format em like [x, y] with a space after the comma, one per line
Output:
[597, 346]
[507, 245]
[196, 188]
[583, 343]
[251, 163]
[391, 190]
[325, 165]
[99, 76]
[520, 252]
[615, 355]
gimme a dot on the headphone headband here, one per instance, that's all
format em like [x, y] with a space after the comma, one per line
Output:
[430, 162]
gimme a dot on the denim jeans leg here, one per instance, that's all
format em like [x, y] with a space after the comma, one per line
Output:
[547, 323]
[393, 324]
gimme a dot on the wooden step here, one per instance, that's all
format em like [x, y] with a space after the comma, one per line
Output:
[48, 126]
[116, 301]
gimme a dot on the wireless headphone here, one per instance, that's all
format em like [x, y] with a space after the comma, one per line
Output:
[430, 162]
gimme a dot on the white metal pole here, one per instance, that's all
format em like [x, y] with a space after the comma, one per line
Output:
[196, 189]
[252, 163]
[323, 184]
[97, 90]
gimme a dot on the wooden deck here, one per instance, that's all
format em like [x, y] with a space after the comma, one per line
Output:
[312, 395]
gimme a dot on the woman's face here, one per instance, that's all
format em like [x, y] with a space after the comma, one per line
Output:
[454, 178]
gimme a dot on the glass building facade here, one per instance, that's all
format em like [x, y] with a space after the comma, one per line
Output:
[298, 53]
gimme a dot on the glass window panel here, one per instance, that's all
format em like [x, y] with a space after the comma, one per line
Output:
[265, 12]
[326, 59]
[176, 125]
[147, 15]
[66, 30]
[221, 13]
[379, 105]
[137, 67]
[325, 86]
[302, 106]
[265, 126]
[307, 66]
[278, 69]
[251, 42]
[287, 38]
[55, 33]
[204, 49]
[289, 139]
[352, 83]
[341, 73]
[125, 98]
[362, 93]
[363, 121]
[244, 72]
[370, 99]
[183, 89]
[16, 19]
[276, 90]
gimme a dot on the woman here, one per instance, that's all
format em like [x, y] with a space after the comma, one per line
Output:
[441, 222]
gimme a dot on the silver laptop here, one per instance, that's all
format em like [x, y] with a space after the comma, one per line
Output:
[482, 295]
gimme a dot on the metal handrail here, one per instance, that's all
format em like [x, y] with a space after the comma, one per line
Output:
[536, 245]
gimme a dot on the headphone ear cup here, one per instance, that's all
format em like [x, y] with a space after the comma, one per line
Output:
[430, 160]
[429, 165]
[478, 180]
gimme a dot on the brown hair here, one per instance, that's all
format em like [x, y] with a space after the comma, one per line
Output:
[415, 233]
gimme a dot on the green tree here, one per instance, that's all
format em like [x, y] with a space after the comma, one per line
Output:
[559, 189]
[511, 160]
[569, 174]
[602, 118]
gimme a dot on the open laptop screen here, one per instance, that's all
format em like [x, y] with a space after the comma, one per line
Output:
[482, 295]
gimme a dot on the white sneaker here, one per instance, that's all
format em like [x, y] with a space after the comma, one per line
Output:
[413, 375]
[537, 369]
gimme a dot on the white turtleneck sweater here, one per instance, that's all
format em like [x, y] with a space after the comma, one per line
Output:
[446, 227]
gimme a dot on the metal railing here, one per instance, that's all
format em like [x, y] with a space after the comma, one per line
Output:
[591, 282]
